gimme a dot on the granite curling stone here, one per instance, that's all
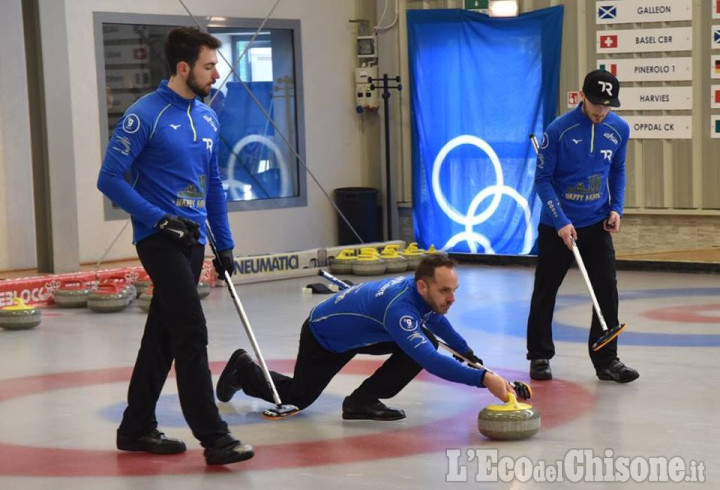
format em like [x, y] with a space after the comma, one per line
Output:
[342, 263]
[414, 255]
[203, 289]
[20, 316]
[510, 421]
[72, 294]
[108, 298]
[129, 288]
[142, 283]
[394, 262]
[145, 299]
[368, 265]
[433, 251]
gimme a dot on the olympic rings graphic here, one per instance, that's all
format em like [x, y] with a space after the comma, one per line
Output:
[236, 187]
[497, 191]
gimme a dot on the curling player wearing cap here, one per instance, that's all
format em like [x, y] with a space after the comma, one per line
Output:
[398, 316]
[580, 179]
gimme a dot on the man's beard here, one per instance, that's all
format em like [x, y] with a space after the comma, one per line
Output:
[197, 90]
[591, 117]
[435, 307]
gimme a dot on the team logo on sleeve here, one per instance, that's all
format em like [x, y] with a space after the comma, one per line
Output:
[122, 144]
[131, 123]
[407, 323]
[611, 137]
[418, 338]
[210, 122]
[545, 141]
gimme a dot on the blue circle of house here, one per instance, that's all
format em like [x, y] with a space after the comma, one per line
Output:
[511, 319]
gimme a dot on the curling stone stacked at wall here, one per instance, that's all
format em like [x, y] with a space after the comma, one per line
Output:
[413, 255]
[394, 262]
[342, 263]
[72, 294]
[145, 298]
[110, 297]
[368, 263]
[203, 289]
[142, 283]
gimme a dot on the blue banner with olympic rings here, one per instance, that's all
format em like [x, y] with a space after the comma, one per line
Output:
[479, 87]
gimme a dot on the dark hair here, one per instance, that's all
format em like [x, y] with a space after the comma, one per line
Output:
[184, 43]
[426, 269]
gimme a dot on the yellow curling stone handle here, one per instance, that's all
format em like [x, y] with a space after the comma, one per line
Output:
[345, 254]
[19, 306]
[509, 406]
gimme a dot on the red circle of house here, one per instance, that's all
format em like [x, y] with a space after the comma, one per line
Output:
[460, 430]
[684, 314]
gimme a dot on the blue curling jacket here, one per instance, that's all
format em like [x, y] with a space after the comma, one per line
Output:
[391, 310]
[580, 175]
[169, 144]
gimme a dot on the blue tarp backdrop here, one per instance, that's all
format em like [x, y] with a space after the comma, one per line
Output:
[480, 86]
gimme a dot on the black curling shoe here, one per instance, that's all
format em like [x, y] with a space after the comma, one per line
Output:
[377, 410]
[154, 442]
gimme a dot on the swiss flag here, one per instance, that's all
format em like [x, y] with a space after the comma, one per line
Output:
[717, 96]
[717, 6]
[140, 53]
[611, 40]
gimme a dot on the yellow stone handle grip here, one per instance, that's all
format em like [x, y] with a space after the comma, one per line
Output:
[19, 305]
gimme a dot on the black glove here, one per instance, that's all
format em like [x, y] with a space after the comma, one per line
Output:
[470, 356]
[226, 263]
[182, 230]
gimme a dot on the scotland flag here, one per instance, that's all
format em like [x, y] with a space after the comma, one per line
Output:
[607, 12]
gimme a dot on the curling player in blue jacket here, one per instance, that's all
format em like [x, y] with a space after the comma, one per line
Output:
[389, 316]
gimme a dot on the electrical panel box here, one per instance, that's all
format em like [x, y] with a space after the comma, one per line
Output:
[366, 99]
[366, 47]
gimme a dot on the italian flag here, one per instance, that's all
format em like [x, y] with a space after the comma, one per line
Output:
[717, 6]
[612, 67]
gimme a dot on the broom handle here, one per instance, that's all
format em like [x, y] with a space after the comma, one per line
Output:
[244, 320]
[581, 266]
[338, 282]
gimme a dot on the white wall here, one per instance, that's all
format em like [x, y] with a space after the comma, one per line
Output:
[17, 220]
[333, 134]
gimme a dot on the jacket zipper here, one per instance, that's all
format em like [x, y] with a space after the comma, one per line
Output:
[192, 125]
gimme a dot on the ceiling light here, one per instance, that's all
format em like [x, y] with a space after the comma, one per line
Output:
[503, 8]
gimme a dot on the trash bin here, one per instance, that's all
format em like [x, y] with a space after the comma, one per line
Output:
[359, 205]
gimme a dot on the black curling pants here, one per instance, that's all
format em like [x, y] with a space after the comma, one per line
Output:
[175, 330]
[554, 260]
[316, 366]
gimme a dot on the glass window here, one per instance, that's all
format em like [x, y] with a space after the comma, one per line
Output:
[258, 168]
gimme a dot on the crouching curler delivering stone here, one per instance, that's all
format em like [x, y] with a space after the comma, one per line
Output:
[379, 317]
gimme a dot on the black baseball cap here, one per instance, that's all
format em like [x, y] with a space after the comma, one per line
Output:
[602, 88]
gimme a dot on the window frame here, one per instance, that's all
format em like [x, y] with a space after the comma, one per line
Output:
[99, 18]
